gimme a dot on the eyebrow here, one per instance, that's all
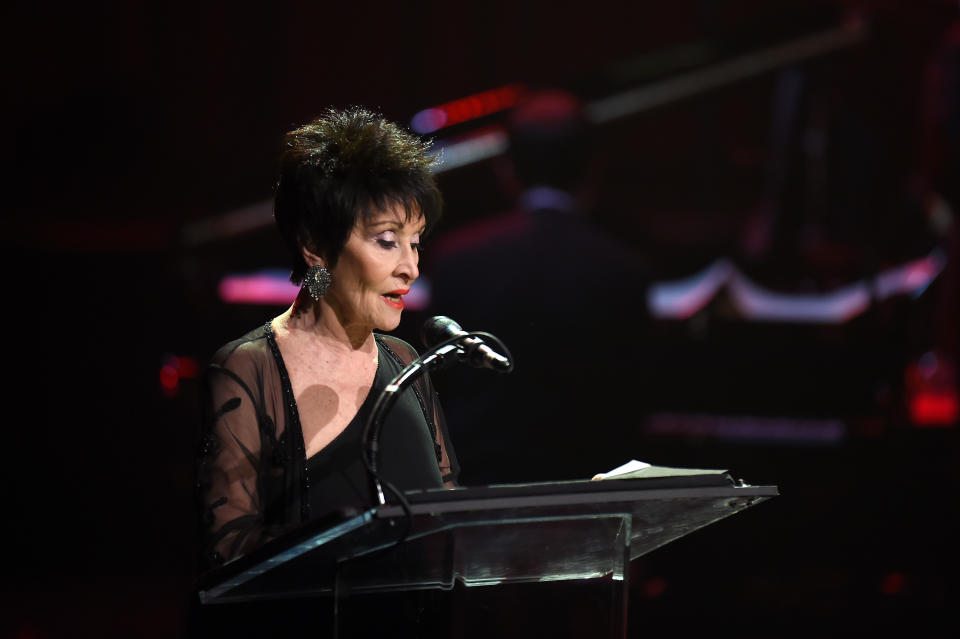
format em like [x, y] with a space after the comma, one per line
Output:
[393, 224]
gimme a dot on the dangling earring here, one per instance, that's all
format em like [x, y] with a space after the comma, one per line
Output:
[317, 280]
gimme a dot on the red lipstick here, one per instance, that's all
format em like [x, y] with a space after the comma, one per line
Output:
[394, 299]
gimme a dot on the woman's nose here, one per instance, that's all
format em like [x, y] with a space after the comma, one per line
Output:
[408, 267]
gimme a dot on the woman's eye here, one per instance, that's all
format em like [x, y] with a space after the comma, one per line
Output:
[416, 246]
[386, 243]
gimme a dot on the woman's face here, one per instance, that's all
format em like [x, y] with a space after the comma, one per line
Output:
[375, 269]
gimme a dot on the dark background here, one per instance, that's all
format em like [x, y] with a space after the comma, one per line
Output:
[125, 123]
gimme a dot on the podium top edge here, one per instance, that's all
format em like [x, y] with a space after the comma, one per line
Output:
[546, 495]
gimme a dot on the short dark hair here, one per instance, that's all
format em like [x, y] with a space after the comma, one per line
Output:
[344, 166]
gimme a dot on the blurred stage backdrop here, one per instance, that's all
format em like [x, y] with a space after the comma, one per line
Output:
[784, 174]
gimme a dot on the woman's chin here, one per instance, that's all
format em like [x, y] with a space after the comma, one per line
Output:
[390, 324]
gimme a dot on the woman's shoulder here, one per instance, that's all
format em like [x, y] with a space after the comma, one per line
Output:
[251, 347]
[400, 348]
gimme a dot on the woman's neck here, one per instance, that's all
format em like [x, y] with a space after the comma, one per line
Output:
[320, 320]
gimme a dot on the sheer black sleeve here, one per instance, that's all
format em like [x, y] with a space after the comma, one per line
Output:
[244, 481]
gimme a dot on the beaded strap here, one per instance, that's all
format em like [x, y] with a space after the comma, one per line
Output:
[294, 413]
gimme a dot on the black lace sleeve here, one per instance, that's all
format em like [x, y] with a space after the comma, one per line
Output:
[433, 412]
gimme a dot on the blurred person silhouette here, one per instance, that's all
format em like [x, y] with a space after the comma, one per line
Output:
[567, 299]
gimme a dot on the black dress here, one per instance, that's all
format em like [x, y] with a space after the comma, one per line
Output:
[254, 479]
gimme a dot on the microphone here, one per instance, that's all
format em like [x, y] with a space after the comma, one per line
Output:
[476, 352]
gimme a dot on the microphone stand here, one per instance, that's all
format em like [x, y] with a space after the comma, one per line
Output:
[438, 357]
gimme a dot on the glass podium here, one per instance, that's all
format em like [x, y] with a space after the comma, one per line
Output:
[487, 536]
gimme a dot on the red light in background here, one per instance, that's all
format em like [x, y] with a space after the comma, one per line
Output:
[931, 409]
[931, 392]
[169, 380]
[468, 108]
[187, 367]
[174, 369]
[893, 583]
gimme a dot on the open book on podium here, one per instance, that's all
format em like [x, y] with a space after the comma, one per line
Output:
[488, 535]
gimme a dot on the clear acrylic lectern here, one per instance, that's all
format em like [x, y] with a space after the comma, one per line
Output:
[484, 536]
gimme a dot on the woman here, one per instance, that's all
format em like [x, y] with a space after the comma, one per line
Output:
[286, 403]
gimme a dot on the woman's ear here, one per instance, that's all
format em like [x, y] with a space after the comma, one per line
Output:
[311, 258]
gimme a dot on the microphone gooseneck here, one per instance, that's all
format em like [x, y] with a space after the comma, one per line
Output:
[446, 343]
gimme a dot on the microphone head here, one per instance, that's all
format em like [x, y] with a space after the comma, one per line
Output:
[438, 328]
